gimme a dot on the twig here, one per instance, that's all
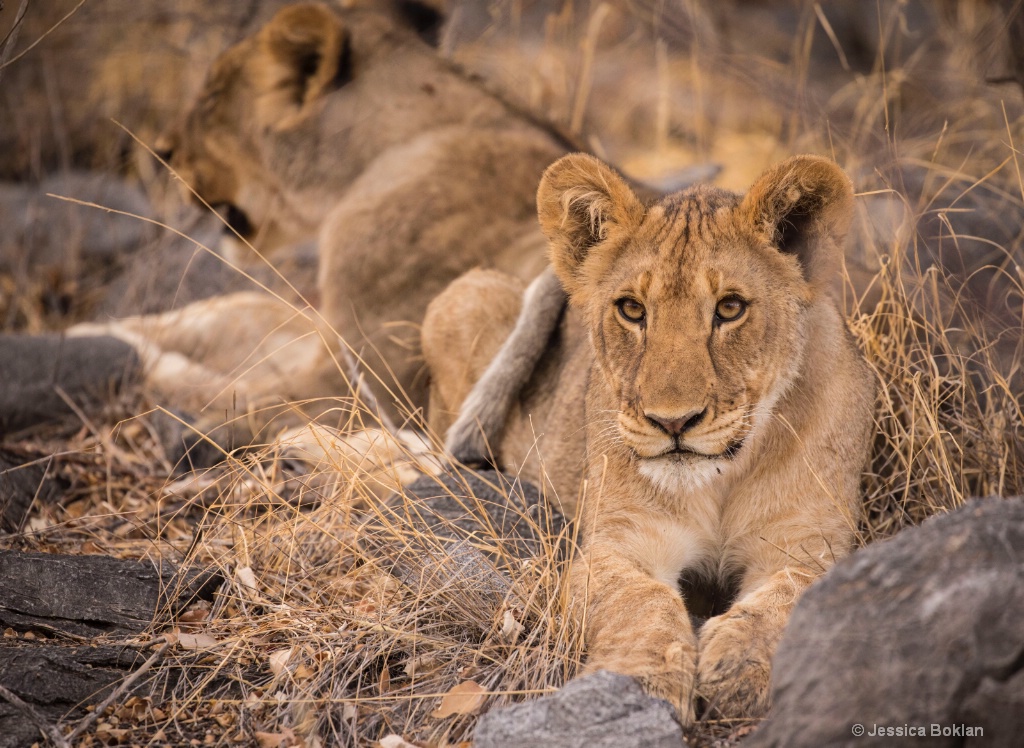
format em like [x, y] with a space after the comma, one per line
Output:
[361, 388]
[45, 34]
[117, 693]
[12, 36]
[51, 731]
[586, 73]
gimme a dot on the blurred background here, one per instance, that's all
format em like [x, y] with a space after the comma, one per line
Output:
[919, 97]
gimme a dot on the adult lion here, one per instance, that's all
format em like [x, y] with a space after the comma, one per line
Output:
[345, 126]
[705, 384]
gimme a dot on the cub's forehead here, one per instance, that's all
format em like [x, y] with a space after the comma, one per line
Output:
[692, 225]
[700, 217]
[695, 239]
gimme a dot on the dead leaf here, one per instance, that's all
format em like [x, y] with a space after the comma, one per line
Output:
[196, 615]
[279, 660]
[510, 628]
[282, 739]
[464, 698]
[395, 741]
[109, 735]
[254, 702]
[245, 577]
[196, 641]
[134, 709]
[421, 664]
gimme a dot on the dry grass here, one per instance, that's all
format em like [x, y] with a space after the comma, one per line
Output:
[343, 620]
[341, 616]
[949, 413]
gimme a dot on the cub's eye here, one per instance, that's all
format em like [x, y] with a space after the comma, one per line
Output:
[631, 310]
[730, 308]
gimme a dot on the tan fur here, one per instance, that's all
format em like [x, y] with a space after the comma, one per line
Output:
[773, 410]
[345, 126]
[250, 381]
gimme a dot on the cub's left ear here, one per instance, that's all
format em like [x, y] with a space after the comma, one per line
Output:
[804, 206]
[306, 54]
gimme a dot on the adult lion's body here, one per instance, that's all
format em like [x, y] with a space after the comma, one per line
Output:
[346, 127]
[706, 386]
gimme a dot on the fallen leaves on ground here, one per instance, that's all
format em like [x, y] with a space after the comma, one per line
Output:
[464, 698]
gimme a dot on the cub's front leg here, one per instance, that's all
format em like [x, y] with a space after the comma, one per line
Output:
[737, 647]
[635, 624]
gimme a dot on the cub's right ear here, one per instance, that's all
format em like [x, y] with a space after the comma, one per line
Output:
[305, 54]
[586, 210]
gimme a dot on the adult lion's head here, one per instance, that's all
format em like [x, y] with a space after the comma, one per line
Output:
[290, 116]
[698, 305]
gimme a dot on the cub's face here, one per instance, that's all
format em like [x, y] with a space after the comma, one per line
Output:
[698, 330]
[697, 304]
[288, 117]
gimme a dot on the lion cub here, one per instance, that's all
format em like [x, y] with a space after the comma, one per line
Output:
[705, 385]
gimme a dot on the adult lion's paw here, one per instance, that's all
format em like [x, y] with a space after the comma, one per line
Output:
[670, 677]
[734, 665]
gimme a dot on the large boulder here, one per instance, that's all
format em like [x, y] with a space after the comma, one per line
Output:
[919, 636]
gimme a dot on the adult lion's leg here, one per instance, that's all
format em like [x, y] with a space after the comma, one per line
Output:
[635, 624]
[463, 329]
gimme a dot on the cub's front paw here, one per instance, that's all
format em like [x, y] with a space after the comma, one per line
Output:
[734, 665]
[670, 677]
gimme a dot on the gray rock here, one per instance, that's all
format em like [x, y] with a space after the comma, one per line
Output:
[44, 230]
[94, 595]
[485, 503]
[39, 374]
[26, 479]
[58, 681]
[603, 710]
[924, 629]
[456, 537]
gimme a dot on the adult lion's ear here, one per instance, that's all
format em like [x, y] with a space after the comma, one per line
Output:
[306, 54]
[586, 210]
[803, 206]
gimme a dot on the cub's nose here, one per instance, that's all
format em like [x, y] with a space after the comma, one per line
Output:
[679, 425]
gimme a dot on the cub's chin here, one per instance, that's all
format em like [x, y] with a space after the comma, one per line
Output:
[683, 470]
